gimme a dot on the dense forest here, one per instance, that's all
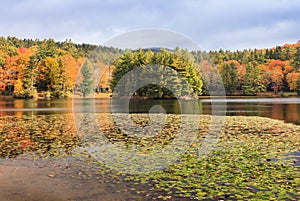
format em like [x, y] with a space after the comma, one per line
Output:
[170, 73]
[31, 67]
[253, 71]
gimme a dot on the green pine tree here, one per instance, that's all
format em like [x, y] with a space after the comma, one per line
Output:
[253, 80]
[163, 59]
[298, 85]
[29, 80]
[229, 77]
[296, 61]
[86, 87]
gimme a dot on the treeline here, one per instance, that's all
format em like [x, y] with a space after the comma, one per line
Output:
[28, 67]
[252, 71]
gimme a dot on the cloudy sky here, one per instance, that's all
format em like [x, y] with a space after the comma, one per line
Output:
[212, 24]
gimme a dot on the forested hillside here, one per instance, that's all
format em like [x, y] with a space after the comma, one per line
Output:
[252, 71]
[28, 67]
[31, 66]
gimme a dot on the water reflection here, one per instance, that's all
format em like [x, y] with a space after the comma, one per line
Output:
[289, 112]
[12, 107]
[287, 109]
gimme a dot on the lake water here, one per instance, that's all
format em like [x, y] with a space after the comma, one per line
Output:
[67, 178]
[287, 109]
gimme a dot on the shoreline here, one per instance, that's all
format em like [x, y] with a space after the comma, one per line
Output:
[108, 95]
[60, 180]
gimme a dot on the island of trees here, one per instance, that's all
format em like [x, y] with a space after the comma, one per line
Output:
[32, 67]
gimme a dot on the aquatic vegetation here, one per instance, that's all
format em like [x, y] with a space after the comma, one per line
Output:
[43, 135]
[241, 167]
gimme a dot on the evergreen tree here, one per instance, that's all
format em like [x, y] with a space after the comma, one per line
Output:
[70, 47]
[296, 61]
[8, 47]
[162, 59]
[298, 84]
[29, 80]
[59, 81]
[253, 82]
[86, 87]
[229, 77]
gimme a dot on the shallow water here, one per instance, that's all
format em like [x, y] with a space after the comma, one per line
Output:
[61, 180]
[70, 178]
[293, 158]
[43, 159]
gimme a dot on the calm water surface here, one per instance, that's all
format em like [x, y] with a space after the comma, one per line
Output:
[287, 109]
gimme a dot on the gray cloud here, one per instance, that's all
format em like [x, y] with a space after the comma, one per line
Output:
[214, 24]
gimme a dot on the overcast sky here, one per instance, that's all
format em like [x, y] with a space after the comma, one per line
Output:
[212, 24]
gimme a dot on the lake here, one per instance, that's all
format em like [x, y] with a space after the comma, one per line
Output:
[62, 173]
[287, 109]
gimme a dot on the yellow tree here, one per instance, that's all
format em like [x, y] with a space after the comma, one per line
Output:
[71, 68]
[291, 79]
[22, 61]
[2, 82]
[18, 89]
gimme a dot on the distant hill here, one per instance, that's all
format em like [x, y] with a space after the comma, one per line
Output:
[156, 49]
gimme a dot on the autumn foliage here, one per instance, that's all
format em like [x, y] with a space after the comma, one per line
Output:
[277, 69]
[28, 67]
